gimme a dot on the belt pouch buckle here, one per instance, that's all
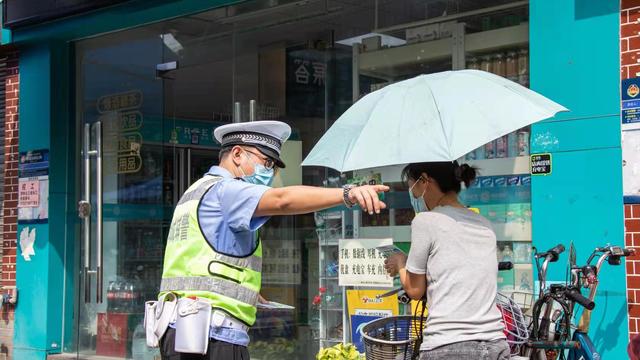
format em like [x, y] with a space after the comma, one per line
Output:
[192, 326]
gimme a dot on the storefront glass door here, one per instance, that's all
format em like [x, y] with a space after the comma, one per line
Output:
[125, 186]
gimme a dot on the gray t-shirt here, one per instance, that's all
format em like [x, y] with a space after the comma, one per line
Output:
[456, 249]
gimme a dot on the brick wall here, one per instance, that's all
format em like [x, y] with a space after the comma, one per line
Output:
[632, 239]
[10, 207]
[630, 39]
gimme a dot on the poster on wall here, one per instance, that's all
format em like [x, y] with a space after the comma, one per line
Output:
[33, 187]
[631, 164]
[630, 103]
[361, 264]
[364, 306]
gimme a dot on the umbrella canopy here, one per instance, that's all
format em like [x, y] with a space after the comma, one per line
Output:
[435, 117]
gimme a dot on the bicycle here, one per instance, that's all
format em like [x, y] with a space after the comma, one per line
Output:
[587, 277]
[545, 344]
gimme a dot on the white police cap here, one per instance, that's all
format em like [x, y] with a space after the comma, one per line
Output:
[266, 135]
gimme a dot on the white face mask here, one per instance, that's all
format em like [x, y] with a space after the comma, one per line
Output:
[418, 204]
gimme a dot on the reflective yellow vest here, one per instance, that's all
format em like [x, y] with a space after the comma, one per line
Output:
[192, 267]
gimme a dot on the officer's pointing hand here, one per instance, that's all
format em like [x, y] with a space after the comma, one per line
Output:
[367, 197]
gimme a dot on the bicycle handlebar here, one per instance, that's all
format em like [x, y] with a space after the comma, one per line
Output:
[552, 254]
[574, 295]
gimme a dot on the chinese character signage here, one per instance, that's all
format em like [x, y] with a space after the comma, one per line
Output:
[33, 187]
[361, 264]
[122, 118]
[540, 164]
[281, 262]
[365, 306]
[306, 77]
[29, 194]
[191, 132]
[630, 103]
[122, 101]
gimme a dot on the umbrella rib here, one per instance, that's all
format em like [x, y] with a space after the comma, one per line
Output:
[435, 103]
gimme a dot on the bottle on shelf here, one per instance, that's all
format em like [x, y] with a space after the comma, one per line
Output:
[507, 253]
[523, 67]
[498, 65]
[523, 142]
[512, 66]
[473, 64]
[490, 150]
[485, 63]
[502, 147]
[111, 296]
[512, 145]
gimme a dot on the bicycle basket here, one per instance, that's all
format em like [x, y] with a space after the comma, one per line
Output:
[392, 338]
[515, 324]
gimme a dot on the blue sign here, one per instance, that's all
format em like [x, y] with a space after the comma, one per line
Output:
[33, 163]
[630, 101]
[357, 323]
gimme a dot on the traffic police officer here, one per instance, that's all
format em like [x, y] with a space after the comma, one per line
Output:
[212, 252]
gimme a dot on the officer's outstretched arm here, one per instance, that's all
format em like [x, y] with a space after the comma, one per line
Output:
[293, 200]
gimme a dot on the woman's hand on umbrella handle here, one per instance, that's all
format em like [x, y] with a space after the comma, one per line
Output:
[367, 197]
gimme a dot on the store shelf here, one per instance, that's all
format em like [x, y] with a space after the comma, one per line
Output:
[488, 167]
[487, 41]
[385, 63]
[331, 242]
[399, 233]
[506, 166]
[512, 231]
[330, 340]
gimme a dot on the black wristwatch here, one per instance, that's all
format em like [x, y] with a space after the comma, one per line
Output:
[345, 195]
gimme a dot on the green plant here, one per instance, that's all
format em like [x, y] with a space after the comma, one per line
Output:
[340, 352]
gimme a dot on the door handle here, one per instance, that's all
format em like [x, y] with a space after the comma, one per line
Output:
[99, 268]
[84, 210]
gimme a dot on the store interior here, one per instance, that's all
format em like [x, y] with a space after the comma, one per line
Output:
[303, 62]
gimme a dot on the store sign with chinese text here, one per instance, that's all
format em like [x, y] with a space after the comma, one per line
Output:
[306, 75]
[630, 103]
[33, 187]
[192, 132]
[541, 164]
[121, 117]
[361, 264]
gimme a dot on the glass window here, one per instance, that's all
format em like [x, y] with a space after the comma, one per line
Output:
[303, 63]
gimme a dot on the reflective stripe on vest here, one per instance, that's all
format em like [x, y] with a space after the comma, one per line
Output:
[193, 268]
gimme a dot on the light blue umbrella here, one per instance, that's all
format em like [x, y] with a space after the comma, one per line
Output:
[435, 117]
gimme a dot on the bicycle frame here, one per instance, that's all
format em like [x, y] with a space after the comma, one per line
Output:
[540, 336]
[587, 350]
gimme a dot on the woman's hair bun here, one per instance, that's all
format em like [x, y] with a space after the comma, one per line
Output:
[464, 173]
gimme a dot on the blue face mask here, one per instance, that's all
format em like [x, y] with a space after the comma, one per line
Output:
[261, 175]
[418, 203]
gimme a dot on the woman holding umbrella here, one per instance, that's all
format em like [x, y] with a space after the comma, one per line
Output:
[453, 260]
[425, 122]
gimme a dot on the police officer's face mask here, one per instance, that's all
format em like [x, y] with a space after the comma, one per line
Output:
[261, 174]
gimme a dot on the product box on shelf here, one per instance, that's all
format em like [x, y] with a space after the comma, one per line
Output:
[115, 333]
[522, 252]
[505, 280]
[523, 277]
